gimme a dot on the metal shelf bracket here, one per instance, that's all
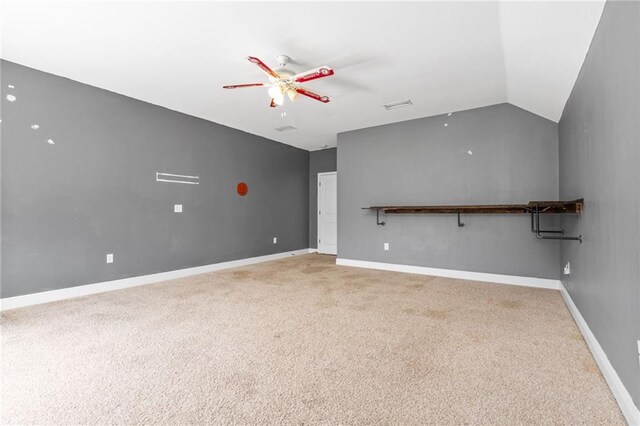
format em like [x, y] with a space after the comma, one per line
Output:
[539, 232]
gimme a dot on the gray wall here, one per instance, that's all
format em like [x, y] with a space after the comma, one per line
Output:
[418, 162]
[65, 206]
[319, 162]
[600, 160]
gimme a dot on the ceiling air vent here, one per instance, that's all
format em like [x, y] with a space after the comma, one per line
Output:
[285, 128]
[398, 104]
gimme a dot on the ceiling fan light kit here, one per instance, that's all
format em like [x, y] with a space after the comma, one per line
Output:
[284, 82]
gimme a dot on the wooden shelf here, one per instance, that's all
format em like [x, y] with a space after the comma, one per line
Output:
[557, 207]
[533, 208]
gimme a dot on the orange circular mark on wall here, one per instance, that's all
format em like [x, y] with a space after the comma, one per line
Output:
[242, 189]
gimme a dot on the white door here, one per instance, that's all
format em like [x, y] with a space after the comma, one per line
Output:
[328, 213]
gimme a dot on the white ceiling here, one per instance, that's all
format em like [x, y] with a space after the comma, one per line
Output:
[444, 56]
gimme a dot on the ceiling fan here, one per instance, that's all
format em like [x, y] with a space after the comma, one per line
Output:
[283, 81]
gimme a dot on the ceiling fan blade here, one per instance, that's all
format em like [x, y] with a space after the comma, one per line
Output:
[317, 97]
[240, 86]
[313, 74]
[264, 67]
[273, 103]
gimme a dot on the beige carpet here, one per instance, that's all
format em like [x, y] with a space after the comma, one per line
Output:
[301, 340]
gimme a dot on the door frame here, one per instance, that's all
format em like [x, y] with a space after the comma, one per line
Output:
[318, 208]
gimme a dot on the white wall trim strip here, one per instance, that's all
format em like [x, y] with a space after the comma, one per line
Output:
[451, 273]
[622, 396]
[84, 290]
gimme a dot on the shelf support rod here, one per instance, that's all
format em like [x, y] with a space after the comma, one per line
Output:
[378, 218]
[544, 237]
[535, 231]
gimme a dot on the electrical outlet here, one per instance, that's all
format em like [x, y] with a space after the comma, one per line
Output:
[275, 240]
[386, 246]
[567, 269]
[177, 208]
[110, 258]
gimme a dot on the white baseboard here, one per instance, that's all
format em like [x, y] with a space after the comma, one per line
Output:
[451, 273]
[84, 290]
[622, 396]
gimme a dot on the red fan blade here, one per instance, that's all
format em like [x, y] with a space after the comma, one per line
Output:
[305, 92]
[313, 74]
[273, 103]
[239, 86]
[263, 66]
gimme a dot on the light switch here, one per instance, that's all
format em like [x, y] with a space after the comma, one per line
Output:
[110, 258]
[177, 208]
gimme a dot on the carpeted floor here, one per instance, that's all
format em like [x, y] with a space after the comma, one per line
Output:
[301, 340]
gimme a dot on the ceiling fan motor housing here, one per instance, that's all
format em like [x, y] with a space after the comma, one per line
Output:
[285, 73]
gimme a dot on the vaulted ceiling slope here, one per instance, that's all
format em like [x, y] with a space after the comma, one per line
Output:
[444, 56]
